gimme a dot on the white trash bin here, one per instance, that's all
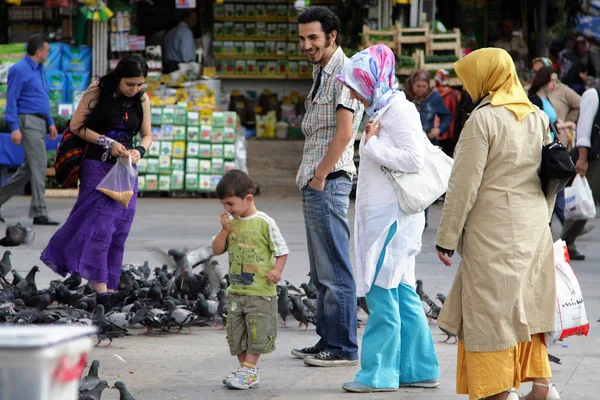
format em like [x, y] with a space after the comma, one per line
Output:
[43, 362]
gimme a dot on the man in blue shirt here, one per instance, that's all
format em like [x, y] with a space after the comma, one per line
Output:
[28, 116]
[180, 44]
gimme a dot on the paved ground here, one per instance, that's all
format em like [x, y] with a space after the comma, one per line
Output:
[192, 367]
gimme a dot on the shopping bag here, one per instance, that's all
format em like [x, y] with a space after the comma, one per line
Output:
[571, 318]
[579, 201]
[119, 182]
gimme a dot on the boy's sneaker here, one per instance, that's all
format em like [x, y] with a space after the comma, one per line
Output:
[243, 379]
[327, 359]
[306, 352]
[240, 368]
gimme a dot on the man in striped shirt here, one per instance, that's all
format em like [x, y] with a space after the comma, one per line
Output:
[325, 179]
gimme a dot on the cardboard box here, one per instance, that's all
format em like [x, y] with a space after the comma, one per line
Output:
[166, 149]
[214, 181]
[251, 67]
[179, 150]
[229, 29]
[240, 11]
[156, 115]
[152, 166]
[230, 119]
[281, 49]
[261, 30]
[218, 118]
[154, 150]
[238, 48]
[250, 30]
[156, 133]
[177, 178]
[205, 166]
[179, 132]
[250, 11]
[261, 11]
[205, 150]
[191, 181]
[261, 68]
[240, 67]
[271, 67]
[218, 166]
[205, 133]
[192, 165]
[217, 135]
[249, 48]
[229, 151]
[206, 117]
[151, 182]
[216, 150]
[219, 10]
[141, 183]
[229, 165]
[271, 48]
[229, 135]
[227, 48]
[282, 30]
[193, 150]
[168, 115]
[178, 164]
[218, 29]
[260, 48]
[142, 165]
[180, 117]
[164, 183]
[193, 133]
[239, 29]
[193, 118]
[204, 182]
[164, 165]
[167, 132]
[229, 10]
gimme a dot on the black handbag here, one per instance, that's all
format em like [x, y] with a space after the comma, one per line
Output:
[557, 167]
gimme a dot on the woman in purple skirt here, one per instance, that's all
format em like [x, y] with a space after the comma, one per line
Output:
[92, 240]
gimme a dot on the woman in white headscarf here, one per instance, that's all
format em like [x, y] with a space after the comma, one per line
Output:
[386, 239]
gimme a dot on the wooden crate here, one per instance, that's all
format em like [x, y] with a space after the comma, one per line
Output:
[430, 66]
[412, 36]
[368, 40]
[445, 41]
[407, 71]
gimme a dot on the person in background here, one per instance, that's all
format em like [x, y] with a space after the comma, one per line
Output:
[584, 54]
[386, 239]
[588, 164]
[180, 44]
[325, 180]
[544, 83]
[503, 298]
[430, 105]
[565, 63]
[92, 240]
[564, 100]
[576, 79]
[514, 45]
[28, 117]
[451, 98]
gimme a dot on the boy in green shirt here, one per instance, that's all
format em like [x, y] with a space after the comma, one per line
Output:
[257, 254]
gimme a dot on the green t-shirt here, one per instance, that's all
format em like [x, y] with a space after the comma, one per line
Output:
[252, 244]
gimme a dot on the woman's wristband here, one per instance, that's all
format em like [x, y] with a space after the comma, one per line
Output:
[142, 151]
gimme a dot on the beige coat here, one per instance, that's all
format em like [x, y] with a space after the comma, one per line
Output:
[496, 217]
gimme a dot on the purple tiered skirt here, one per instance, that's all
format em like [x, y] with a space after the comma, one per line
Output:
[92, 240]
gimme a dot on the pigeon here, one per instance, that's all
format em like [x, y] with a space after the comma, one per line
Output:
[419, 289]
[90, 381]
[180, 316]
[17, 235]
[120, 319]
[73, 282]
[30, 278]
[362, 303]
[5, 264]
[222, 307]
[442, 298]
[124, 393]
[106, 329]
[16, 277]
[283, 304]
[554, 359]
[95, 393]
[206, 308]
[434, 309]
[184, 261]
[309, 290]
[299, 312]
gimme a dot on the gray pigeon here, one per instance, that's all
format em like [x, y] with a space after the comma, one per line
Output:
[442, 298]
[284, 307]
[5, 264]
[184, 261]
[106, 329]
[124, 393]
[90, 381]
[299, 312]
[30, 278]
[95, 393]
[180, 316]
[120, 319]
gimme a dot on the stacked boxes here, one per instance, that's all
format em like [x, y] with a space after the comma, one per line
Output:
[190, 150]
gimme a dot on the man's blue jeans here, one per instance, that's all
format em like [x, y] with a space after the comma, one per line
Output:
[328, 236]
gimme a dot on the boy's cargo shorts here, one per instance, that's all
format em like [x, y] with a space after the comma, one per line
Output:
[251, 324]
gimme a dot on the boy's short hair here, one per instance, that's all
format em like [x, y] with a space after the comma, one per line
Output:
[235, 183]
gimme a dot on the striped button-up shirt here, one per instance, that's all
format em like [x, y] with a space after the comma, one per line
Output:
[320, 121]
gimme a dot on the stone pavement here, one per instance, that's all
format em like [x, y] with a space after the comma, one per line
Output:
[192, 366]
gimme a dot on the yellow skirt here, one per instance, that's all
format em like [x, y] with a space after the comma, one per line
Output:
[486, 374]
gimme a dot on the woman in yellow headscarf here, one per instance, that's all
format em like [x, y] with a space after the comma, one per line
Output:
[496, 217]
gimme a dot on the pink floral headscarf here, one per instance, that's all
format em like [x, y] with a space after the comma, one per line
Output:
[372, 74]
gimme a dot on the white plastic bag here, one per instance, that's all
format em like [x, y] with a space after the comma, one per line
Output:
[571, 318]
[579, 202]
[119, 182]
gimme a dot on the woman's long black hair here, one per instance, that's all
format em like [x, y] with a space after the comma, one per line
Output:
[130, 66]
